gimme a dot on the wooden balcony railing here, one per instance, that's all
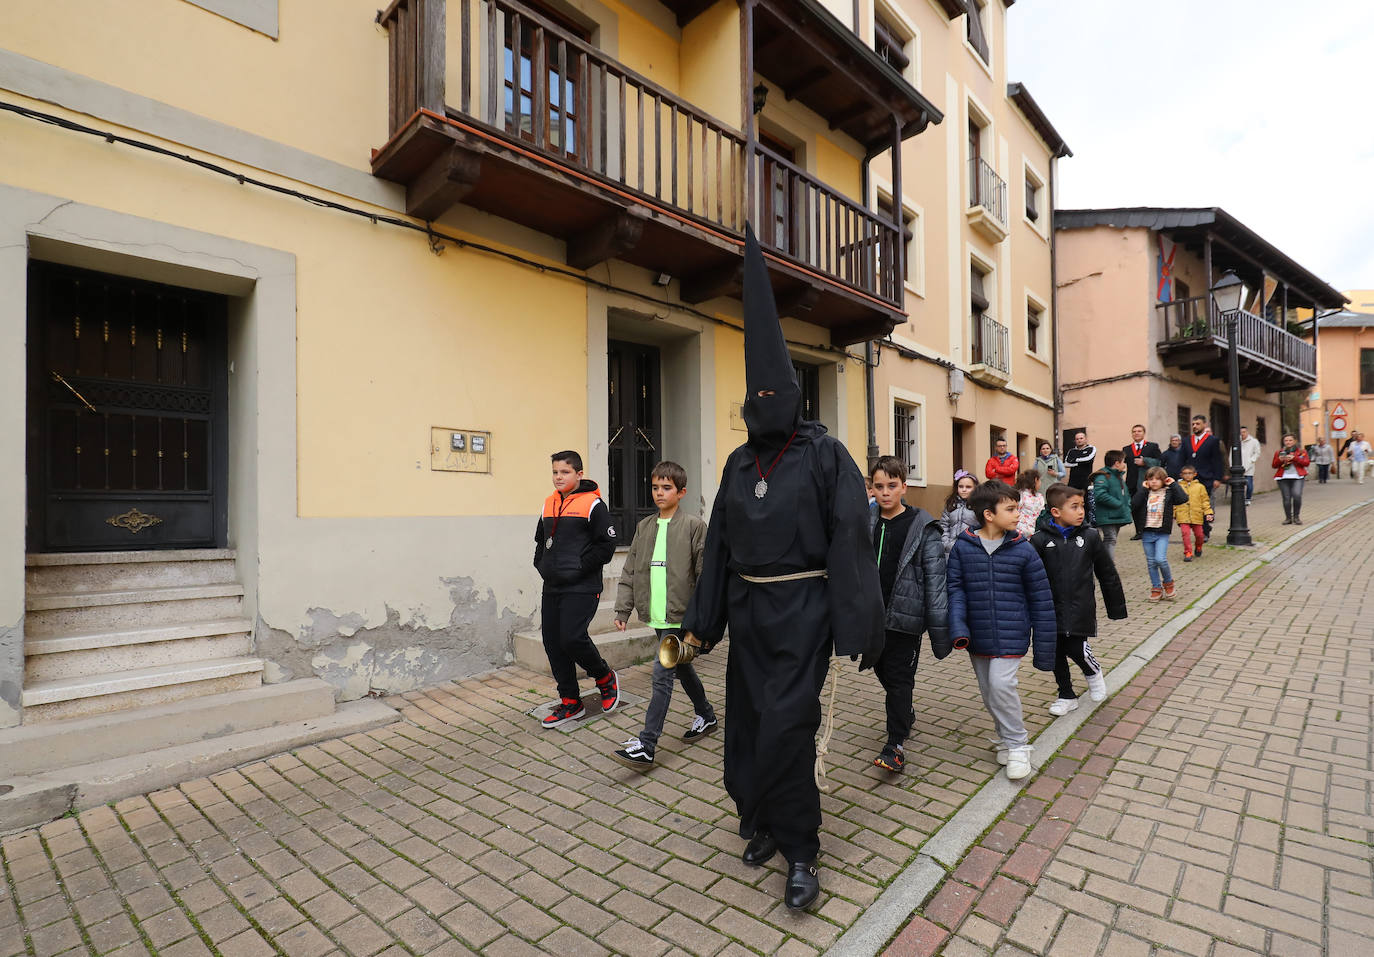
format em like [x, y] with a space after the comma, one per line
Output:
[991, 344]
[812, 224]
[544, 89]
[1197, 321]
[987, 189]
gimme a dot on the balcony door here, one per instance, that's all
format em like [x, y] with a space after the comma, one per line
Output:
[635, 411]
[127, 414]
[544, 55]
[777, 208]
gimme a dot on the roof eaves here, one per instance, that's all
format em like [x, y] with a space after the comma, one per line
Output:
[1020, 96]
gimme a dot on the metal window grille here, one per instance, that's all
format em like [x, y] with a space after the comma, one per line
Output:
[906, 436]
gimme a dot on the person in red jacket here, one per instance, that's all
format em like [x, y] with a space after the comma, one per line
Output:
[1290, 468]
[1002, 466]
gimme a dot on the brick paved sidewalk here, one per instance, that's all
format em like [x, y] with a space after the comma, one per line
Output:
[1219, 804]
[466, 828]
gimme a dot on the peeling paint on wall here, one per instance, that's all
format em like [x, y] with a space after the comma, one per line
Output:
[11, 674]
[399, 654]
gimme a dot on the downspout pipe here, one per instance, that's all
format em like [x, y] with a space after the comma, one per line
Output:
[1054, 310]
[870, 354]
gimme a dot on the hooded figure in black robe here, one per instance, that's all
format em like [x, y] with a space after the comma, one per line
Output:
[791, 501]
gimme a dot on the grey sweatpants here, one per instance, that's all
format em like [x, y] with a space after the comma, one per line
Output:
[997, 682]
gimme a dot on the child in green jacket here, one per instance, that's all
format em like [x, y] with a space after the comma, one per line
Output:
[1111, 501]
[660, 572]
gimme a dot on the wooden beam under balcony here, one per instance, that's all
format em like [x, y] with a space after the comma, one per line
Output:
[444, 182]
[611, 238]
[687, 10]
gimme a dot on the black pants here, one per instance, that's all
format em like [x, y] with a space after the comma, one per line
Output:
[1322, 472]
[565, 618]
[896, 671]
[1072, 648]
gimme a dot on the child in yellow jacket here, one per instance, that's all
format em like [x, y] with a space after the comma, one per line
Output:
[1192, 514]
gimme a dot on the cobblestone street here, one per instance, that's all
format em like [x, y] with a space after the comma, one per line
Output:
[1219, 803]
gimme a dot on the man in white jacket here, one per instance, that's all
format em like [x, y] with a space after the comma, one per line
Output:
[1249, 455]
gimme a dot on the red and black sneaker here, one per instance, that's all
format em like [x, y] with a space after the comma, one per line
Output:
[892, 758]
[609, 687]
[568, 709]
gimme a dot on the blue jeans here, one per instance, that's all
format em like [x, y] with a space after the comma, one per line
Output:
[1249, 487]
[1156, 544]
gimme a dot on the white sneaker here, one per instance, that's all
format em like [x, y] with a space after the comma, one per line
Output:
[1018, 763]
[1003, 752]
[1097, 687]
[1063, 706]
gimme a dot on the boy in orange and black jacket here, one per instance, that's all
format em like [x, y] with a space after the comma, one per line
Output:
[573, 541]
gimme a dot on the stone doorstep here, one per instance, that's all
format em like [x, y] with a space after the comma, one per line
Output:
[42, 748]
[39, 560]
[85, 641]
[137, 679]
[132, 596]
[39, 799]
[621, 649]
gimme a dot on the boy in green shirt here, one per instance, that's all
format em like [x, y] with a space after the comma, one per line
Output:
[661, 570]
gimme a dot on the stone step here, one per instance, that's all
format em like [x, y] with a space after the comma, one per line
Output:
[79, 697]
[36, 800]
[67, 573]
[41, 663]
[620, 648]
[36, 749]
[61, 614]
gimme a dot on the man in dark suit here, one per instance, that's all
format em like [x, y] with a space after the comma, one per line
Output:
[1205, 456]
[1140, 455]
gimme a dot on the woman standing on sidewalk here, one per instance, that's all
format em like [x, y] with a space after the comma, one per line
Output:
[1290, 468]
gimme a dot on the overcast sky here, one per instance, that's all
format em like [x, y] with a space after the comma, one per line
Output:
[1261, 107]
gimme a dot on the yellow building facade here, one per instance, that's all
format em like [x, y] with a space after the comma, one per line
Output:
[395, 260]
[974, 360]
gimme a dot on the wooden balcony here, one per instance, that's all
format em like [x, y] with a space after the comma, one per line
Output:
[987, 201]
[990, 351]
[539, 127]
[1270, 357]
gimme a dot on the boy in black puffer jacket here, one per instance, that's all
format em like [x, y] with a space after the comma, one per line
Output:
[573, 541]
[911, 568]
[1072, 554]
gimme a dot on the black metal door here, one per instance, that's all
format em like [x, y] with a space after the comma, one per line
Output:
[635, 411]
[127, 414]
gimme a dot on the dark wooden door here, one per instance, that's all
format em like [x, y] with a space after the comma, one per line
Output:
[127, 414]
[635, 411]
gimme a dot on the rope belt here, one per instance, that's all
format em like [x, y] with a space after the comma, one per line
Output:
[793, 577]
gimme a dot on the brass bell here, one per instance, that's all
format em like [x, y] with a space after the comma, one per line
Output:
[673, 651]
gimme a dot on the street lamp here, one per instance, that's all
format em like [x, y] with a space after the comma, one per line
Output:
[1227, 295]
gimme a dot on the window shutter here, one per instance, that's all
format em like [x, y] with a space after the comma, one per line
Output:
[976, 38]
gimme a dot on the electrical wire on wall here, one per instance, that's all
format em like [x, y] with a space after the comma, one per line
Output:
[436, 238]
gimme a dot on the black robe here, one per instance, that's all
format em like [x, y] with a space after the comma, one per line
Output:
[814, 516]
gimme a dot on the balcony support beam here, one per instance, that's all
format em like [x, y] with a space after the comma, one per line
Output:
[448, 178]
[715, 281]
[799, 301]
[608, 239]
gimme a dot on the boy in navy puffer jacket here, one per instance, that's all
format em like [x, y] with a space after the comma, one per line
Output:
[1000, 605]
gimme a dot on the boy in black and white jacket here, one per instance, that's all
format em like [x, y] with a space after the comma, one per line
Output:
[1072, 554]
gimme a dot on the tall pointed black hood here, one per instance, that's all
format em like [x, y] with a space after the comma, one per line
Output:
[773, 418]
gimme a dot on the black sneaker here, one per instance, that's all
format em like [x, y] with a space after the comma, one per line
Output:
[609, 687]
[633, 754]
[892, 758]
[568, 709]
[700, 727]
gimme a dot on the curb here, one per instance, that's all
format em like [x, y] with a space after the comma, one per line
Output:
[944, 849]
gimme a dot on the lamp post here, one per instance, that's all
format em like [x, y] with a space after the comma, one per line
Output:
[1227, 295]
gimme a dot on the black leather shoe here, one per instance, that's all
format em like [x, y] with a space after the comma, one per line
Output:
[762, 846]
[1136, 537]
[803, 886]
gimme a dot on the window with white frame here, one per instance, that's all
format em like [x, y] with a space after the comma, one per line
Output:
[1035, 197]
[897, 42]
[911, 232]
[906, 436]
[1035, 326]
[976, 28]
